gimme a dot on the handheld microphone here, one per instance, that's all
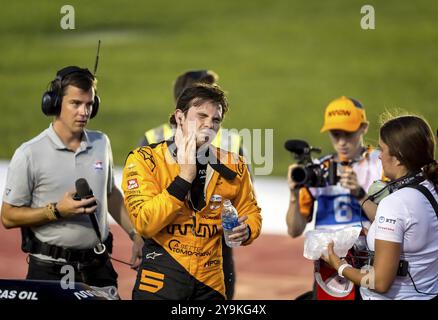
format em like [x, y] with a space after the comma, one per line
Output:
[83, 191]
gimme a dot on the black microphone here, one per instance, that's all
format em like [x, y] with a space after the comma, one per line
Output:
[296, 146]
[83, 191]
[300, 147]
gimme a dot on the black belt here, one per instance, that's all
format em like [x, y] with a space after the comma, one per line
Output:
[70, 255]
[56, 266]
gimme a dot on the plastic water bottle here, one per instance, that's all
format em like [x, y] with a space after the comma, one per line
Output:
[229, 221]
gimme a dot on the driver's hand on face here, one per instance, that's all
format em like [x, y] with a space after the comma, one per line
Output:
[186, 153]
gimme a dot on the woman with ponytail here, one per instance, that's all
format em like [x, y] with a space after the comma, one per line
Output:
[404, 234]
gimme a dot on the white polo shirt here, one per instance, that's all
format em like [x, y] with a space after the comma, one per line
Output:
[407, 217]
[43, 169]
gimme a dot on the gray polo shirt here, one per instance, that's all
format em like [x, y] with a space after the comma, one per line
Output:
[43, 169]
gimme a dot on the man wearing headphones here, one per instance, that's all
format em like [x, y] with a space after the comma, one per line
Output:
[39, 194]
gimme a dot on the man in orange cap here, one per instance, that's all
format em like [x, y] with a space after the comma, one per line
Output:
[337, 206]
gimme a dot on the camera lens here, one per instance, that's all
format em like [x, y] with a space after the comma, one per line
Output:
[299, 175]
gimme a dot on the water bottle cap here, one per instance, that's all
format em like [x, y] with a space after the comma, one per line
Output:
[216, 198]
[227, 202]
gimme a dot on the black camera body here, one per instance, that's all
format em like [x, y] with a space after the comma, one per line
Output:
[311, 173]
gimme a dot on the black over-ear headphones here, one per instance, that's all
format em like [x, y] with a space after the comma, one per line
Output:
[51, 101]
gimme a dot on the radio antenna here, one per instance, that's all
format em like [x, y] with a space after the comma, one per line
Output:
[97, 59]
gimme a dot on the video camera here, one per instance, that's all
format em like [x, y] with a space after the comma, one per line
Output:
[310, 173]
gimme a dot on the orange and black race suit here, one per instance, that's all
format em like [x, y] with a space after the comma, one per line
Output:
[182, 256]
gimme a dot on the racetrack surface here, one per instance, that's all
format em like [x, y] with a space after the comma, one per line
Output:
[272, 268]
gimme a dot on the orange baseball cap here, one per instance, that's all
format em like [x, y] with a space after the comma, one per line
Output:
[344, 114]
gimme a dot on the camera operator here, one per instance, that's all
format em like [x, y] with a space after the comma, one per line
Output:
[404, 235]
[337, 206]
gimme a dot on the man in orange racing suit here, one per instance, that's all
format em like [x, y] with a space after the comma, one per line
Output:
[168, 187]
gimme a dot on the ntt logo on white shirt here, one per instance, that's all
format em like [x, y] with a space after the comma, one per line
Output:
[382, 219]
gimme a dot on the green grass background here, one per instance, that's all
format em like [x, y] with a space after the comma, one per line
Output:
[280, 61]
